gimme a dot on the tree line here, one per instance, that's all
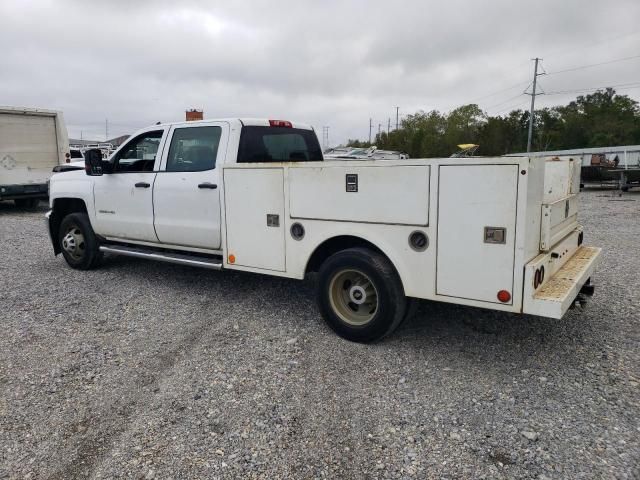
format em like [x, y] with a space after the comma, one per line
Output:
[600, 119]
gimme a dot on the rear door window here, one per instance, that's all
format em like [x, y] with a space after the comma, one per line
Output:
[278, 144]
[193, 149]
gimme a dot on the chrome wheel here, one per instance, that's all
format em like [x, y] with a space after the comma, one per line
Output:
[73, 243]
[353, 297]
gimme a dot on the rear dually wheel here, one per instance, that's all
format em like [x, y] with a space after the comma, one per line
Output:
[360, 295]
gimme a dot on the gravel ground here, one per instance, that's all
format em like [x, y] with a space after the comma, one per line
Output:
[147, 370]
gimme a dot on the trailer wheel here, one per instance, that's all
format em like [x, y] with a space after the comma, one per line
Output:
[78, 242]
[27, 203]
[360, 295]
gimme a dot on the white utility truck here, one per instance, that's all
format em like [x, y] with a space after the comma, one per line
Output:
[256, 196]
[32, 143]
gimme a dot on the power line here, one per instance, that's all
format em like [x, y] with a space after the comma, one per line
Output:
[582, 67]
[491, 107]
[521, 84]
[620, 86]
[509, 108]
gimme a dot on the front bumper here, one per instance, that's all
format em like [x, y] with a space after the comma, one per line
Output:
[557, 294]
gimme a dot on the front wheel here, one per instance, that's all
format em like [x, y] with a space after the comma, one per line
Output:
[78, 242]
[360, 295]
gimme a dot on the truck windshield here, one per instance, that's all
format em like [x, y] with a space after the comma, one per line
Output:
[278, 144]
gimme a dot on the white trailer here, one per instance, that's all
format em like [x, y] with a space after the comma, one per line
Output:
[254, 195]
[32, 143]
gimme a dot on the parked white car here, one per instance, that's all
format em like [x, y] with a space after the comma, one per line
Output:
[255, 195]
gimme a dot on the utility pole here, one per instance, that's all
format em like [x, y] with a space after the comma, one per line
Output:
[325, 136]
[370, 127]
[388, 126]
[106, 129]
[397, 116]
[533, 102]
[379, 127]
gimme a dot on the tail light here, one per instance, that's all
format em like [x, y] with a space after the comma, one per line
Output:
[280, 123]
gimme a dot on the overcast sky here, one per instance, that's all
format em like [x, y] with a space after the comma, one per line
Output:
[334, 63]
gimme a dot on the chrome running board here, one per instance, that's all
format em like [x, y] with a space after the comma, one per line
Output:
[212, 263]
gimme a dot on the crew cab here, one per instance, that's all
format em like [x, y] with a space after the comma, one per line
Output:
[256, 195]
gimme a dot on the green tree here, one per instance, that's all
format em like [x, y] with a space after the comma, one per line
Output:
[602, 118]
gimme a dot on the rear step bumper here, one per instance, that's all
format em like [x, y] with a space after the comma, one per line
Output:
[170, 257]
[560, 291]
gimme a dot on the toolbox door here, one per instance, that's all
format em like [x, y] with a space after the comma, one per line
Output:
[254, 199]
[477, 207]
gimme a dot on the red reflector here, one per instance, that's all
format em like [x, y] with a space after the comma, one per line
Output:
[280, 123]
[504, 296]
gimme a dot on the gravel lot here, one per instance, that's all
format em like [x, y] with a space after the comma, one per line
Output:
[150, 370]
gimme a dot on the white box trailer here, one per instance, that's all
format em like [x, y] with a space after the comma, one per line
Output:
[32, 142]
[499, 233]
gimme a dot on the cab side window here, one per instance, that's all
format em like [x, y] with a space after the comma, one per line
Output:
[139, 155]
[193, 149]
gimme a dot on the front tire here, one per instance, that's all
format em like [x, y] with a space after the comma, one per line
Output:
[79, 245]
[360, 295]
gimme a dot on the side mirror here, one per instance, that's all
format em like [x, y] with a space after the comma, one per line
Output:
[93, 162]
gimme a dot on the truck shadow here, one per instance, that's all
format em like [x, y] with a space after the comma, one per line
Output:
[483, 334]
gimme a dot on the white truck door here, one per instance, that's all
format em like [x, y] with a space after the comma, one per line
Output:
[254, 199]
[124, 198]
[476, 231]
[186, 193]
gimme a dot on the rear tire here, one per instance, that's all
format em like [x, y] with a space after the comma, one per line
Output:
[27, 203]
[360, 295]
[79, 245]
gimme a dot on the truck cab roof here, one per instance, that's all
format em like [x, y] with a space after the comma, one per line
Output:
[245, 122]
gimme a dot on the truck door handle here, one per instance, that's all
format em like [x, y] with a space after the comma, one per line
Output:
[212, 186]
[142, 185]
